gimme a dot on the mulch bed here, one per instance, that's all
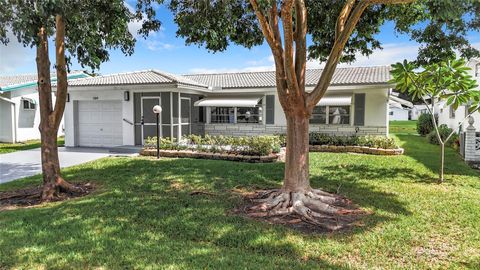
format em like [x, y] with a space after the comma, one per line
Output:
[334, 223]
[24, 198]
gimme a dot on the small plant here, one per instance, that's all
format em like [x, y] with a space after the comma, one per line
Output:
[444, 132]
[425, 124]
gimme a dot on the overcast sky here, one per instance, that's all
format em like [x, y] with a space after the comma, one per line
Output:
[164, 51]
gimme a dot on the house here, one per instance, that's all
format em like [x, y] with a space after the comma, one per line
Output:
[19, 112]
[399, 109]
[116, 109]
[451, 117]
[417, 110]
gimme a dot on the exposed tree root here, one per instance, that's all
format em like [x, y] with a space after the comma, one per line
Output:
[33, 196]
[54, 190]
[314, 208]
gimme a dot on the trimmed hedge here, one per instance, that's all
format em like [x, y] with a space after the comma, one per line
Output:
[252, 146]
[369, 141]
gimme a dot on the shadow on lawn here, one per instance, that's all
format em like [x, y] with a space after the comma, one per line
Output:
[146, 217]
[428, 155]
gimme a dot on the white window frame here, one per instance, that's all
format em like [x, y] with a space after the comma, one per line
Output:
[261, 114]
[451, 112]
[327, 114]
[30, 103]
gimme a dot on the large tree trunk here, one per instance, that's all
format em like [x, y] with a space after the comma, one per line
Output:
[296, 160]
[50, 118]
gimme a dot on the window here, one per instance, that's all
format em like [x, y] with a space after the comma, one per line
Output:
[28, 104]
[336, 115]
[391, 112]
[452, 112]
[477, 70]
[339, 115]
[319, 115]
[249, 114]
[222, 115]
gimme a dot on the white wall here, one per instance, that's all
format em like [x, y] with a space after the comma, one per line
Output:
[27, 121]
[6, 122]
[100, 96]
[398, 114]
[376, 106]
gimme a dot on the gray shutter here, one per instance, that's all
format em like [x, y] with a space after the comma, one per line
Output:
[359, 119]
[270, 109]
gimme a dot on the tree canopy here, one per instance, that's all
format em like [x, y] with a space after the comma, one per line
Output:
[441, 27]
[92, 26]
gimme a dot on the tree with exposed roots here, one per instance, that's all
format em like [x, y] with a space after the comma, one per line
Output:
[337, 30]
[84, 30]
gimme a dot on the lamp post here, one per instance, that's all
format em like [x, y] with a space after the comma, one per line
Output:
[157, 109]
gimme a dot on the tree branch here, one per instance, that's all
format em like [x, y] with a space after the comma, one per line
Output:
[61, 68]
[342, 18]
[271, 31]
[300, 42]
[335, 54]
[288, 54]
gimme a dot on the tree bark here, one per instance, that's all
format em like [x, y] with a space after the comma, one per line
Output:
[442, 163]
[50, 118]
[296, 159]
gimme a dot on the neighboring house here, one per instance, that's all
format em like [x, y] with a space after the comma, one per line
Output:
[398, 108]
[116, 109]
[19, 110]
[447, 115]
[418, 110]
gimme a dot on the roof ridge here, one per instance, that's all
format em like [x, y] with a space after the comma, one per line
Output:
[268, 71]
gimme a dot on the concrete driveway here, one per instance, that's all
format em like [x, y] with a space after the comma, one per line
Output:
[21, 164]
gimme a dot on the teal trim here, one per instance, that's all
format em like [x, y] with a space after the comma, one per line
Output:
[30, 84]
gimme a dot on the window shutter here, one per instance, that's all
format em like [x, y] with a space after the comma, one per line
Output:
[359, 117]
[270, 109]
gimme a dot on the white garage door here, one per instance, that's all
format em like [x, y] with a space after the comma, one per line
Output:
[99, 123]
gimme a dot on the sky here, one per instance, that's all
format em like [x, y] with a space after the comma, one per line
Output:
[162, 50]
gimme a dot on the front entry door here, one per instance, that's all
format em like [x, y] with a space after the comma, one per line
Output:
[149, 119]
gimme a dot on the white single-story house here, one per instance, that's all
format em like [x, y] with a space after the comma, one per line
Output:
[19, 111]
[450, 117]
[113, 110]
[399, 109]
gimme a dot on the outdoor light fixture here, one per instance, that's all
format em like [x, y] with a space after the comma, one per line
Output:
[68, 97]
[157, 109]
[126, 96]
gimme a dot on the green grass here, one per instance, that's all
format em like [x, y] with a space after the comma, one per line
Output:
[142, 216]
[408, 127]
[31, 144]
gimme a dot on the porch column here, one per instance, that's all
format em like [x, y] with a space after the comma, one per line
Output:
[470, 141]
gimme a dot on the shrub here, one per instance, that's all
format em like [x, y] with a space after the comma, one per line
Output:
[444, 131]
[425, 124]
[317, 138]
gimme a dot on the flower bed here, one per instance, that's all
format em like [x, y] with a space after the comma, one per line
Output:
[208, 155]
[264, 148]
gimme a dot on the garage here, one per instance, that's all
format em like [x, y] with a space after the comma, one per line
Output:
[99, 123]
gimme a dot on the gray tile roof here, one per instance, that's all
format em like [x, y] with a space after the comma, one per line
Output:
[137, 77]
[342, 76]
[11, 80]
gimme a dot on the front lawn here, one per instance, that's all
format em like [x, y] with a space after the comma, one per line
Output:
[143, 216]
[31, 144]
[409, 127]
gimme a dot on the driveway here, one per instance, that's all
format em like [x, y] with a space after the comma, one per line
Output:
[25, 163]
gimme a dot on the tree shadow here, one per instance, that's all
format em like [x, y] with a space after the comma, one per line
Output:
[144, 216]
